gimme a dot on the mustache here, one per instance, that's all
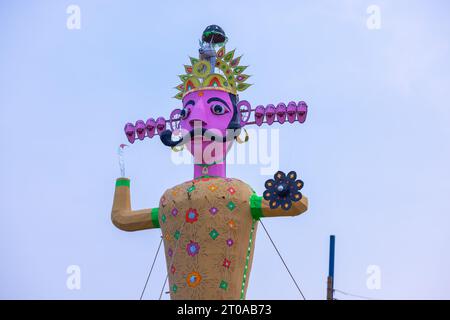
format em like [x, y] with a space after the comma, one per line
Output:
[166, 136]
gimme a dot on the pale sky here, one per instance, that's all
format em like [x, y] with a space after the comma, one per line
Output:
[374, 152]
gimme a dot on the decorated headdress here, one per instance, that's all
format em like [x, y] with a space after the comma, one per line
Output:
[201, 75]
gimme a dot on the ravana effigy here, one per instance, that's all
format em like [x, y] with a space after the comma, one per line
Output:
[209, 223]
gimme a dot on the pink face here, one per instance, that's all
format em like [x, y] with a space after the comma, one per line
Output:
[212, 108]
[207, 109]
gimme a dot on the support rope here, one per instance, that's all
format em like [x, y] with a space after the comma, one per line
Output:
[151, 269]
[273, 243]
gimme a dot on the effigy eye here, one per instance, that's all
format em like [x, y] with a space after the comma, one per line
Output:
[218, 109]
[184, 113]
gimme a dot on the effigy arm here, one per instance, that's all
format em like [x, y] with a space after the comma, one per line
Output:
[130, 220]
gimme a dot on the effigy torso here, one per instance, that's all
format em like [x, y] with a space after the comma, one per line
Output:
[209, 237]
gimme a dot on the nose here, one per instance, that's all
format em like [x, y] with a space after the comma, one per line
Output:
[198, 116]
[198, 123]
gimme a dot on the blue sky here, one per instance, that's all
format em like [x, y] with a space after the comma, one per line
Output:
[374, 152]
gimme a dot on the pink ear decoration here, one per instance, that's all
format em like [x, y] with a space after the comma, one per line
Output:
[259, 115]
[245, 110]
[129, 132]
[281, 112]
[302, 110]
[174, 119]
[270, 114]
[160, 124]
[150, 125]
[140, 129]
[291, 111]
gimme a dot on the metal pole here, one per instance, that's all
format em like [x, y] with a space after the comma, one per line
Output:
[330, 280]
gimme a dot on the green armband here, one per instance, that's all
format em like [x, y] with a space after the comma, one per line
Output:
[255, 206]
[154, 215]
[123, 182]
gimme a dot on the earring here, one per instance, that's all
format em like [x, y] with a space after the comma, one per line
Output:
[239, 140]
[178, 149]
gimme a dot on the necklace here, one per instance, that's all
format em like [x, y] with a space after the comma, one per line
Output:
[205, 166]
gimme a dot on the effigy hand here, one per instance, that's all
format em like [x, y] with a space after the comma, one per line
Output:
[282, 197]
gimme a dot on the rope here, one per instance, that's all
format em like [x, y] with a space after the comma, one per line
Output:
[292, 277]
[353, 295]
[151, 269]
[162, 289]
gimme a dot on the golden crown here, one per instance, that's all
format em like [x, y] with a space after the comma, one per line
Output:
[200, 75]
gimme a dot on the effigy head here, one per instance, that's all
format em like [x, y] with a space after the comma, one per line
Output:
[209, 102]
[211, 112]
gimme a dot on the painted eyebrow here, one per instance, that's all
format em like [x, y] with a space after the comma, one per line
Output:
[219, 100]
[192, 102]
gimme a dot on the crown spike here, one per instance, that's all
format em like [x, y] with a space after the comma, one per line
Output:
[235, 62]
[242, 77]
[239, 69]
[193, 60]
[183, 77]
[220, 52]
[243, 86]
[229, 56]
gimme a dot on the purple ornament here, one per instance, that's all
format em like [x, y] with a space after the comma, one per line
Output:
[281, 112]
[302, 110]
[129, 132]
[150, 125]
[291, 111]
[270, 114]
[213, 210]
[140, 129]
[160, 125]
[259, 115]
